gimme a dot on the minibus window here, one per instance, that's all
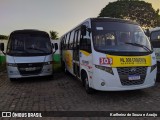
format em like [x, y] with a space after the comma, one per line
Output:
[113, 36]
[29, 44]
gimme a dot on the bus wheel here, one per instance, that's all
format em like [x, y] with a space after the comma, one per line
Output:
[12, 79]
[66, 71]
[63, 66]
[87, 88]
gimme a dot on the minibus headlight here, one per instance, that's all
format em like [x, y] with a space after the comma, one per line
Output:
[48, 63]
[104, 68]
[12, 64]
[153, 67]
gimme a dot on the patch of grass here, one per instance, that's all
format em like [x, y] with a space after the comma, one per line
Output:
[57, 67]
[2, 67]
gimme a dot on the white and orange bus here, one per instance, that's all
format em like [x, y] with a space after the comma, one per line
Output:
[109, 54]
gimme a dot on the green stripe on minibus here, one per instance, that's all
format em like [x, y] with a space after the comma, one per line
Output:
[2, 59]
[56, 57]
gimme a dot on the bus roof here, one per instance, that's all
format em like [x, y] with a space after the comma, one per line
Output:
[109, 19]
[154, 29]
[28, 31]
[103, 19]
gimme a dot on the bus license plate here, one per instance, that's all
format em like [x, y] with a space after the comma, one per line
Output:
[134, 77]
[30, 69]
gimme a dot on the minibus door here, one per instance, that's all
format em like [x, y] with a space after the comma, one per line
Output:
[76, 66]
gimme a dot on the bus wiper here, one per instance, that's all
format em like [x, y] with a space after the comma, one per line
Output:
[36, 49]
[21, 50]
[139, 45]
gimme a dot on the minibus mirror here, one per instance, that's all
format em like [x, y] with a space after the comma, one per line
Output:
[147, 32]
[52, 45]
[83, 30]
[89, 30]
[56, 46]
[2, 46]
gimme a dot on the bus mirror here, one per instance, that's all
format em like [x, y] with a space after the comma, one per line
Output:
[147, 32]
[52, 45]
[83, 30]
[89, 30]
[2, 46]
[56, 46]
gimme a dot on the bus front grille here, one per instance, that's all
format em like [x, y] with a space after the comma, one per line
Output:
[30, 68]
[125, 72]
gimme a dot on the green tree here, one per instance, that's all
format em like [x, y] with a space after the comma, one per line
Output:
[158, 21]
[54, 35]
[4, 37]
[139, 11]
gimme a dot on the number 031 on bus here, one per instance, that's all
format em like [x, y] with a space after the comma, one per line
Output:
[109, 55]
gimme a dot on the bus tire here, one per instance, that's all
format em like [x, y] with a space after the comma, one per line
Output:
[86, 85]
[65, 70]
[12, 79]
[50, 77]
[83, 74]
[63, 66]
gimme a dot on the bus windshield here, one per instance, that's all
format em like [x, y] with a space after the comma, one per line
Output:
[24, 44]
[119, 37]
[155, 35]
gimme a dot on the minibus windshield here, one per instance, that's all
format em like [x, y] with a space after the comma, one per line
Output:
[29, 44]
[119, 37]
[155, 35]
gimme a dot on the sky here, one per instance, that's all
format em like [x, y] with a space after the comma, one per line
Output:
[47, 15]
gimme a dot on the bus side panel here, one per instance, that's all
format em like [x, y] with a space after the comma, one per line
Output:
[68, 58]
[86, 64]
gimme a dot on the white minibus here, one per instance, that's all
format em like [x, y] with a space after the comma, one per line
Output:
[29, 54]
[109, 54]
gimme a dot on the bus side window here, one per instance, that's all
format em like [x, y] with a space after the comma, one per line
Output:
[155, 35]
[85, 44]
[65, 42]
[68, 41]
[71, 40]
[75, 38]
[78, 38]
[62, 43]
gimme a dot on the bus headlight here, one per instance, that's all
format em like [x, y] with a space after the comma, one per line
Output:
[153, 67]
[104, 68]
[12, 64]
[48, 63]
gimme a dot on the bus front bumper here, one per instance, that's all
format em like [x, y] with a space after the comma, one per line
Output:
[13, 72]
[108, 82]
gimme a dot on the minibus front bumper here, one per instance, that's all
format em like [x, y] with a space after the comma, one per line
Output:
[15, 72]
[104, 81]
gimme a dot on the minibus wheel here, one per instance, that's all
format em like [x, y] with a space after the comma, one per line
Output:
[87, 88]
[12, 79]
[63, 66]
[65, 70]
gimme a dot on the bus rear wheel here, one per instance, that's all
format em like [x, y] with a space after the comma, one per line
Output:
[64, 68]
[12, 79]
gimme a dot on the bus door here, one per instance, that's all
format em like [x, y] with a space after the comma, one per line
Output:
[76, 63]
